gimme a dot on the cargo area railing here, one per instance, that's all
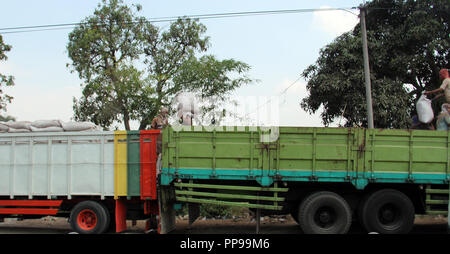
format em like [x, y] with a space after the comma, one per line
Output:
[231, 195]
[436, 201]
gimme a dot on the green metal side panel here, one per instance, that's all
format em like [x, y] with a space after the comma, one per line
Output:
[133, 160]
[214, 153]
[407, 152]
[354, 155]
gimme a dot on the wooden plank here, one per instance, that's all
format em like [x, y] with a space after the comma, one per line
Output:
[436, 212]
[228, 196]
[436, 191]
[436, 202]
[228, 203]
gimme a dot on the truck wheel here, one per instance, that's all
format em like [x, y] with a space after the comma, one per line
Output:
[388, 211]
[324, 213]
[89, 217]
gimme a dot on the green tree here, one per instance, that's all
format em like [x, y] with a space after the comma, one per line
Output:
[408, 43]
[5, 80]
[103, 49]
[132, 68]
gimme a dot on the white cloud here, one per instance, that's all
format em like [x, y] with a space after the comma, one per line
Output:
[334, 23]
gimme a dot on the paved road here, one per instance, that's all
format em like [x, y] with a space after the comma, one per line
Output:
[51, 225]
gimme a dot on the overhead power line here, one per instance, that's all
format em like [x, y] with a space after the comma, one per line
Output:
[37, 28]
[270, 99]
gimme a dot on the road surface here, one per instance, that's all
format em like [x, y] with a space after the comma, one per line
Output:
[269, 225]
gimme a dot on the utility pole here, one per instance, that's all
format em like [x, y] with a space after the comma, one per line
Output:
[366, 68]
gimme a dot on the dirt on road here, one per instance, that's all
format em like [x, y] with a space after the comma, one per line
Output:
[238, 225]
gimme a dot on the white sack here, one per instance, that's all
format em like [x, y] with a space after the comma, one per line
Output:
[78, 126]
[47, 129]
[46, 123]
[186, 102]
[424, 109]
[3, 128]
[13, 130]
[18, 125]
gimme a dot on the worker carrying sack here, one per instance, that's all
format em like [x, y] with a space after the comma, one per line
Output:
[424, 109]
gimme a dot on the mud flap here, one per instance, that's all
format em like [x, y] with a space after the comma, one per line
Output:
[121, 215]
[194, 212]
[167, 211]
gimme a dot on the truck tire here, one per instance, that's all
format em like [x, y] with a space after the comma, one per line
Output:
[388, 211]
[324, 212]
[89, 217]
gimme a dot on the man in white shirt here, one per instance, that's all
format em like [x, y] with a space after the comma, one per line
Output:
[445, 86]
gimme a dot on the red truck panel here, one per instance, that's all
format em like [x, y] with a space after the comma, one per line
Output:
[17, 207]
[148, 140]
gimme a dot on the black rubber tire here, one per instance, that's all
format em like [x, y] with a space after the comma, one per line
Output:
[94, 208]
[388, 211]
[324, 212]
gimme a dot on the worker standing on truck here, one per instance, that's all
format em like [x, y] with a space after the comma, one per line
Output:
[418, 125]
[443, 120]
[445, 86]
[161, 120]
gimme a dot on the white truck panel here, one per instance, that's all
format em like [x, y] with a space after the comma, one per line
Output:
[57, 164]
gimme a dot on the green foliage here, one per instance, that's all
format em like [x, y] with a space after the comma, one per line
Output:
[210, 79]
[4, 79]
[215, 211]
[408, 43]
[131, 68]
[102, 49]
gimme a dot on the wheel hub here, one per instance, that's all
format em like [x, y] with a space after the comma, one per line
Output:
[87, 219]
[388, 214]
[325, 217]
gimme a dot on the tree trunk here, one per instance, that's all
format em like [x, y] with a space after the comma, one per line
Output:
[126, 121]
[143, 124]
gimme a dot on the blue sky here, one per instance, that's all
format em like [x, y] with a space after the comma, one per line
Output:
[277, 47]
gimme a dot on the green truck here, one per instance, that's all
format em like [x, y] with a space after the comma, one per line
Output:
[326, 178]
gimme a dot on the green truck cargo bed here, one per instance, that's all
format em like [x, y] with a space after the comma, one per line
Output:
[266, 155]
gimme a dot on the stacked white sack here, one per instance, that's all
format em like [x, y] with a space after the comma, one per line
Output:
[19, 126]
[187, 107]
[79, 126]
[46, 126]
[46, 123]
[3, 127]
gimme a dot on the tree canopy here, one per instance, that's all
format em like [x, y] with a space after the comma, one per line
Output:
[4, 79]
[408, 43]
[130, 68]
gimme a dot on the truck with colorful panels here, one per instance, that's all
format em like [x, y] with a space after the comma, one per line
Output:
[97, 179]
[326, 178]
